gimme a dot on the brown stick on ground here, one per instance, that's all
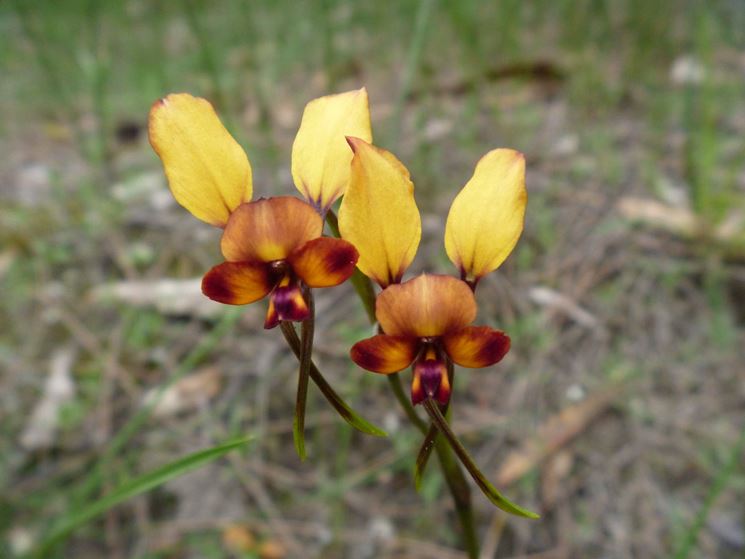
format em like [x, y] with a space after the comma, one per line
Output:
[556, 432]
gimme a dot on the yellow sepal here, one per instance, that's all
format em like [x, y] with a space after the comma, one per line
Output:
[320, 154]
[378, 214]
[208, 171]
[487, 216]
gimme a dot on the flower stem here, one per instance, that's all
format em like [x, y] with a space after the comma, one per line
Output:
[306, 352]
[341, 407]
[485, 485]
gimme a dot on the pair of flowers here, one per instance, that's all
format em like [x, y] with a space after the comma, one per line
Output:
[275, 246]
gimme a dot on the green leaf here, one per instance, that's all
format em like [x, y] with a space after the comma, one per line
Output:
[131, 489]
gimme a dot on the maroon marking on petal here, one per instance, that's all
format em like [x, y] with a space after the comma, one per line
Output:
[385, 354]
[324, 261]
[341, 259]
[216, 288]
[365, 358]
[476, 346]
[496, 349]
[237, 283]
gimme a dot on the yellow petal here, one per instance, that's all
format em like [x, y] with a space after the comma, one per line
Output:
[320, 154]
[208, 172]
[378, 214]
[486, 218]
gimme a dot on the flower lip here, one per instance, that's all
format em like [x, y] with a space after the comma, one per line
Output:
[286, 302]
[430, 377]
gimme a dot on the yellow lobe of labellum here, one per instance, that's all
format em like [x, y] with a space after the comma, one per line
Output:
[320, 155]
[486, 218]
[208, 172]
[378, 214]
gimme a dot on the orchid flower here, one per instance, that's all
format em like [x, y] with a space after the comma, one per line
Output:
[425, 322]
[271, 246]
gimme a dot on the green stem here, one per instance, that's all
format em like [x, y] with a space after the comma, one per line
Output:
[306, 352]
[341, 407]
[485, 485]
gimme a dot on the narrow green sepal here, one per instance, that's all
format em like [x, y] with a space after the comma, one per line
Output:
[298, 437]
[341, 407]
[425, 451]
[484, 484]
[306, 353]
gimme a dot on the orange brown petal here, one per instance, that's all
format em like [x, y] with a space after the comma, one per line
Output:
[324, 262]
[269, 229]
[238, 283]
[385, 354]
[476, 346]
[428, 305]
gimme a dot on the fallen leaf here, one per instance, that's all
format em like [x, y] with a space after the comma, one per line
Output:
[679, 221]
[272, 549]
[552, 299]
[238, 539]
[555, 471]
[176, 297]
[59, 389]
[189, 393]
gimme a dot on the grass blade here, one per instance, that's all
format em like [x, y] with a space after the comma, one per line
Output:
[131, 489]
